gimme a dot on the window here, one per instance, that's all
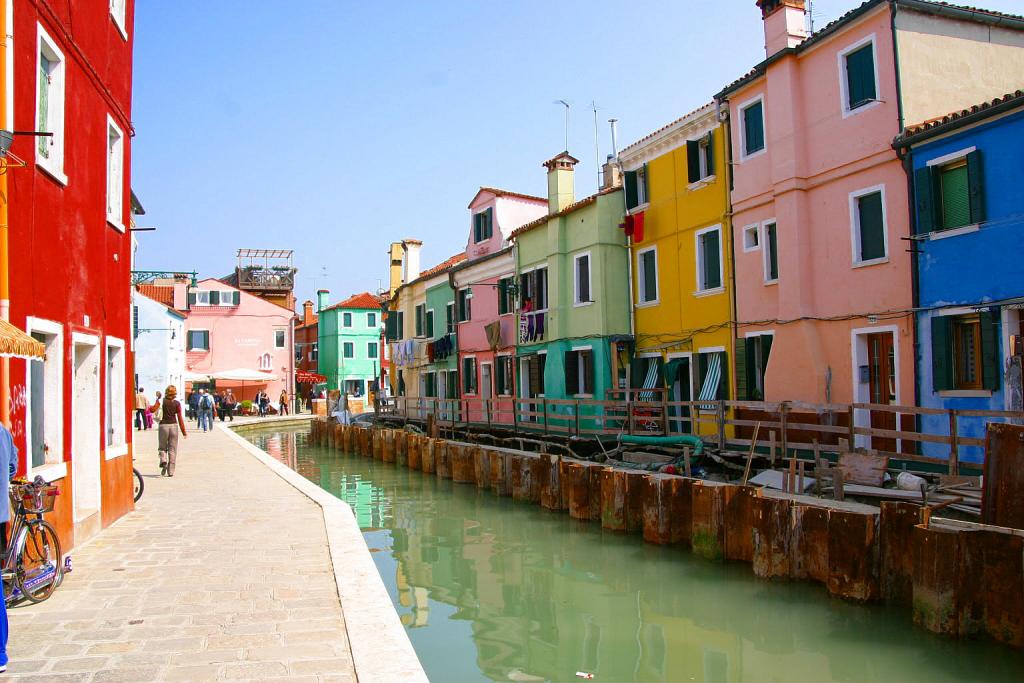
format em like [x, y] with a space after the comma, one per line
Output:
[771, 254]
[371, 320]
[503, 375]
[700, 158]
[449, 318]
[116, 399]
[533, 288]
[465, 299]
[50, 107]
[950, 192]
[393, 326]
[712, 375]
[421, 314]
[505, 301]
[348, 349]
[279, 339]
[346, 319]
[579, 372]
[581, 272]
[965, 352]
[115, 175]
[371, 349]
[401, 384]
[751, 364]
[647, 275]
[429, 325]
[44, 416]
[430, 385]
[636, 187]
[469, 375]
[858, 73]
[483, 225]
[117, 13]
[198, 340]
[709, 259]
[752, 127]
[867, 209]
[752, 238]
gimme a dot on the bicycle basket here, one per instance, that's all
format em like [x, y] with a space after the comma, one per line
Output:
[40, 501]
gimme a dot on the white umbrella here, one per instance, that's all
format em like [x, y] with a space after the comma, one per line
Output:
[243, 375]
[195, 377]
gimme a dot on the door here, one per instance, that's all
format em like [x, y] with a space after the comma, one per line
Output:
[882, 386]
[677, 379]
[37, 409]
[86, 437]
[486, 389]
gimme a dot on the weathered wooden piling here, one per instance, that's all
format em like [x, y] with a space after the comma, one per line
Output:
[896, 523]
[680, 509]
[739, 522]
[414, 454]
[771, 537]
[596, 476]
[428, 454]
[499, 474]
[575, 478]
[549, 474]
[402, 439]
[936, 579]
[708, 535]
[992, 577]
[853, 555]
[379, 436]
[463, 466]
[613, 499]
[810, 543]
[636, 482]
[481, 467]
[656, 509]
[443, 460]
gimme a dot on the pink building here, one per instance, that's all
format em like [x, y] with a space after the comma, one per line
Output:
[820, 201]
[485, 307]
[241, 341]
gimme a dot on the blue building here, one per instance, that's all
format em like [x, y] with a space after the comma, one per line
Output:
[159, 340]
[968, 185]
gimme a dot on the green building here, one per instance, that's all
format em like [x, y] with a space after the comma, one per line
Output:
[573, 286]
[349, 342]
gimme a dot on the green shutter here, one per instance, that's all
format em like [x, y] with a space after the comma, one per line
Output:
[956, 198]
[502, 296]
[773, 252]
[753, 128]
[942, 353]
[490, 222]
[693, 160]
[419, 321]
[650, 283]
[215, 297]
[499, 376]
[587, 359]
[924, 191]
[629, 179]
[572, 373]
[430, 324]
[976, 185]
[191, 299]
[711, 152]
[860, 76]
[872, 226]
[991, 362]
[712, 260]
[476, 227]
[743, 368]
[723, 383]
[391, 327]
[647, 184]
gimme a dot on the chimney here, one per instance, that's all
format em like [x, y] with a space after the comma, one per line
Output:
[307, 312]
[612, 176]
[785, 24]
[394, 268]
[561, 192]
[322, 296]
[179, 297]
[412, 259]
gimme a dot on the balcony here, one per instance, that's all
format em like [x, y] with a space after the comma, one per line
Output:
[265, 270]
[532, 327]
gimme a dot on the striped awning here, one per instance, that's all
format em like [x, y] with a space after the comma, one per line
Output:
[16, 344]
[709, 390]
[650, 379]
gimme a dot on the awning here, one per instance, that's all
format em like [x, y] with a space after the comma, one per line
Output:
[243, 375]
[196, 377]
[307, 377]
[709, 390]
[16, 344]
[651, 380]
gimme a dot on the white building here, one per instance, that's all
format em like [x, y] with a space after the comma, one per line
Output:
[159, 344]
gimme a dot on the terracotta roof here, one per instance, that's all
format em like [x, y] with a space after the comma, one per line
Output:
[963, 12]
[361, 300]
[497, 192]
[161, 294]
[443, 266]
[961, 117]
[569, 209]
[681, 119]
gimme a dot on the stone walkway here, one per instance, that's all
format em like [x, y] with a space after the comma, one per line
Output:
[222, 573]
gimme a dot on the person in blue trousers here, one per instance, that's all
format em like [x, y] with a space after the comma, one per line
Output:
[8, 466]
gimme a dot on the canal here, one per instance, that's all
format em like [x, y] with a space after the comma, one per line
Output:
[495, 590]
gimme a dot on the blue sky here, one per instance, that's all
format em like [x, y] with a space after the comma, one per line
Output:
[334, 127]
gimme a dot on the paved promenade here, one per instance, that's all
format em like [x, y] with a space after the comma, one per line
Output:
[222, 573]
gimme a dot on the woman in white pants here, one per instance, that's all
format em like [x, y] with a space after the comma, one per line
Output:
[171, 421]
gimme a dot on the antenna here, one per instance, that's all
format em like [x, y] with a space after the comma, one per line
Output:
[597, 145]
[567, 106]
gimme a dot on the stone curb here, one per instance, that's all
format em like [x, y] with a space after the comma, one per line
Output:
[381, 650]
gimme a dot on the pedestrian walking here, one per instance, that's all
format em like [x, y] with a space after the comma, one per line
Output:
[218, 406]
[205, 411]
[193, 405]
[229, 406]
[283, 403]
[262, 401]
[8, 466]
[141, 404]
[171, 422]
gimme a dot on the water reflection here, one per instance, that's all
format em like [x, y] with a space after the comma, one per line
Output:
[495, 590]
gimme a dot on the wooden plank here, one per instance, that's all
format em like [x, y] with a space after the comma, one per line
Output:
[896, 524]
[852, 555]
[936, 579]
[859, 468]
[1003, 494]
[905, 410]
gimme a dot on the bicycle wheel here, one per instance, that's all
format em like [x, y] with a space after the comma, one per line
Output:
[140, 485]
[38, 564]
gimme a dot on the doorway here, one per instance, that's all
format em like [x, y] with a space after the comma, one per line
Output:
[86, 436]
[678, 380]
[486, 390]
[882, 386]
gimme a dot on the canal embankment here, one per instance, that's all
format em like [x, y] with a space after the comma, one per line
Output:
[953, 578]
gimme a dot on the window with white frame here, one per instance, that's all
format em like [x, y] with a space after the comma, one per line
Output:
[421, 320]
[752, 127]
[348, 349]
[119, 15]
[858, 78]
[647, 275]
[709, 259]
[45, 402]
[579, 372]
[346, 319]
[752, 238]
[371, 320]
[279, 339]
[581, 271]
[198, 340]
[533, 290]
[771, 252]
[50, 92]
[115, 175]
[449, 318]
[464, 299]
[867, 225]
[700, 158]
[266, 362]
[116, 399]
[635, 183]
[371, 350]
[428, 324]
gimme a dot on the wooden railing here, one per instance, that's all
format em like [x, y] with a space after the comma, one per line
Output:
[907, 433]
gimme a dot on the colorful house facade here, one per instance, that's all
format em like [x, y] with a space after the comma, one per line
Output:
[677, 195]
[820, 200]
[441, 376]
[66, 280]
[159, 343]
[349, 343]
[573, 288]
[484, 302]
[969, 238]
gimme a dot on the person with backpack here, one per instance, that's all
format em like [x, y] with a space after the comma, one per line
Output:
[205, 410]
[193, 405]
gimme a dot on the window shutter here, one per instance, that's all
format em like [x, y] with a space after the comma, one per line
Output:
[942, 353]
[992, 364]
[976, 183]
[419, 321]
[647, 184]
[476, 227]
[572, 373]
[206, 339]
[400, 329]
[215, 298]
[587, 359]
[490, 222]
[924, 189]
[693, 160]
[773, 252]
[499, 376]
[650, 283]
[860, 74]
[430, 324]
[631, 193]
[711, 152]
[503, 296]
[583, 275]
[712, 261]
[191, 299]
[743, 370]
[723, 384]
[872, 227]
[753, 128]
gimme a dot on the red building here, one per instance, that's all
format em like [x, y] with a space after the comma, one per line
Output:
[306, 353]
[70, 252]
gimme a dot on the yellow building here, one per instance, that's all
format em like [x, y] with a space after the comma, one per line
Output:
[677, 196]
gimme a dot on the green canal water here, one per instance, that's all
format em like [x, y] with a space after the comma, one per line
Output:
[495, 590]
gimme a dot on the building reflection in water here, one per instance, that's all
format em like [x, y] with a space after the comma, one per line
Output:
[542, 596]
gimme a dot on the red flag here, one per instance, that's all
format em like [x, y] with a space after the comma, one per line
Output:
[638, 227]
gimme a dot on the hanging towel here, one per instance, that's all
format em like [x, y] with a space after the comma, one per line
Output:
[493, 332]
[430, 352]
[531, 331]
[539, 329]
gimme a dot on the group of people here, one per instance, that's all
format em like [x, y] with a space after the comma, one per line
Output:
[204, 406]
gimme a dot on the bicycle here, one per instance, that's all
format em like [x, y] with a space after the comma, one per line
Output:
[140, 484]
[32, 563]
